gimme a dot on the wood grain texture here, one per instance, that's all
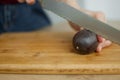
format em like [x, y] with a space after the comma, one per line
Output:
[58, 77]
[52, 53]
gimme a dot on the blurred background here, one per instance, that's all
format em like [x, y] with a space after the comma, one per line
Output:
[111, 8]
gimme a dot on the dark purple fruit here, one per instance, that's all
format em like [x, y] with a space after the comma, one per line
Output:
[85, 42]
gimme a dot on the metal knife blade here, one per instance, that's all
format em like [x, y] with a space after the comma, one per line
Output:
[82, 19]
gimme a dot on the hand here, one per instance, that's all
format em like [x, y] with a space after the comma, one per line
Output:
[102, 41]
[27, 1]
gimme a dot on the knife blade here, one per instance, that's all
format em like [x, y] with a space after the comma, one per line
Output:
[76, 16]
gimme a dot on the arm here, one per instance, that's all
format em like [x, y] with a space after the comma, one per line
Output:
[97, 15]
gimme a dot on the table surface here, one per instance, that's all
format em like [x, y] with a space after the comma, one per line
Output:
[61, 77]
[50, 51]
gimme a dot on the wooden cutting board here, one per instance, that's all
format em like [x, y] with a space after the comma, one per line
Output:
[44, 52]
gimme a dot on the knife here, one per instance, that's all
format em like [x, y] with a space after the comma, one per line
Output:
[76, 16]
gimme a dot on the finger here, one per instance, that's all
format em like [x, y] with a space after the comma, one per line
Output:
[99, 48]
[100, 39]
[21, 1]
[30, 2]
[100, 16]
[102, 45]
[106, 43]
[75, 27]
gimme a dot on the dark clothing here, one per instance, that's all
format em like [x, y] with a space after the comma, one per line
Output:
[22, 17]
[8, 1]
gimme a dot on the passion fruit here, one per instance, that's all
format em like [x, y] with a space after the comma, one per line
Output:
[85, 42]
